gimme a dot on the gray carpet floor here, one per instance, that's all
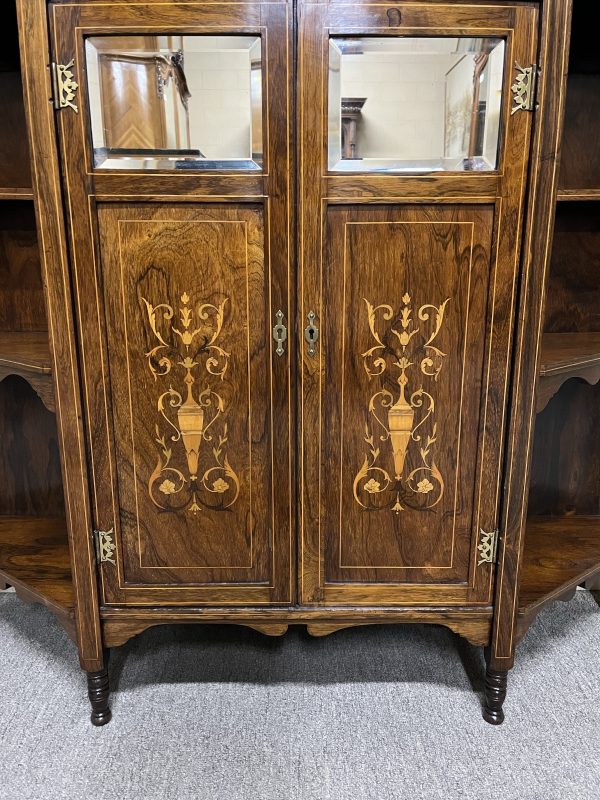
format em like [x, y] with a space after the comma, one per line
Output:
[366, 714]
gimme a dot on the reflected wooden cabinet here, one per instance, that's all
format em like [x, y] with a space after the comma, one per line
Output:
[286, 368]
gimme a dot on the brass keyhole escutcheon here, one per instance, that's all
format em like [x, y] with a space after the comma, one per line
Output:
[279, 333]
[394, 16]
[311, 333]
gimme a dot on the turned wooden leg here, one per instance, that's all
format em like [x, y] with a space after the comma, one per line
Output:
[99, 692]
[495, 694]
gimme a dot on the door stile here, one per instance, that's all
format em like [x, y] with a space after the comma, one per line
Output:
[279, 191]
[508, 237]
[311, 20]
[93, 355]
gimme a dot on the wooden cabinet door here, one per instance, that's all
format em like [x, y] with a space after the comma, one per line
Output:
[414, 145]
[180, 251]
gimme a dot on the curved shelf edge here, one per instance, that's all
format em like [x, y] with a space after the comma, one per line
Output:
[565, 356]
[40, 383]
[27, 354]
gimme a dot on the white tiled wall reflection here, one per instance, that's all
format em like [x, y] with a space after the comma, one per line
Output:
[418, 98]
[220, 108]
[405, 102]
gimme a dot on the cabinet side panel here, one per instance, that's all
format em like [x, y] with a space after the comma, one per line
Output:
[46, 182]
[554, 47]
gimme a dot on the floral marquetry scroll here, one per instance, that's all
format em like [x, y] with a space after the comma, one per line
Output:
[399, 469]
[193, 471]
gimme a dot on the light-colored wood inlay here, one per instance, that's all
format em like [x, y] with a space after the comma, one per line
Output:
[26, 352]
[16, 193]
[578, 194]
[568, 352]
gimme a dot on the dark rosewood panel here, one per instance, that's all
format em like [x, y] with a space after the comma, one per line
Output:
[580, 157]
[580, 165]
[405, 315]
[572, 297]
[565, 471]
[186, 298]
[21, 293]
[29, 454]
[15, 172]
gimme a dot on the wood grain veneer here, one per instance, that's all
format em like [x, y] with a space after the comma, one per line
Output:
[565, 356]
[21, 291]
[27, 354]
[29, 455]
[15, 172]
[561, 553]
[580, 166]
[34, 558]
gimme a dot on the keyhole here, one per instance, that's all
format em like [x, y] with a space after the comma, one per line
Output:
[311, 333]
[394, 17]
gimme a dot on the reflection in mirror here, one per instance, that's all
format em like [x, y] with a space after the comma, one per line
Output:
[414, 104]
[175, 102]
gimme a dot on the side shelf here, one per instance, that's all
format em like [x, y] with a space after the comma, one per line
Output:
[560, 554]
[565, 356]
[27, 354]
[15, 173]
[580, 172]
[34, 558]
[573, 195]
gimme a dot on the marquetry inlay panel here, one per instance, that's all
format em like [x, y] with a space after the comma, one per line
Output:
[400, 417]
[404, 348]
[185, 293]
[190, 418]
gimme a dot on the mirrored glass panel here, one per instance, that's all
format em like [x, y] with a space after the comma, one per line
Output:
[414, 104]
[175, 102]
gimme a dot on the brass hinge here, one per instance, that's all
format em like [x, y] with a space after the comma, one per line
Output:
[64, 85]
[105, 547]
[488, 546]
[523, 89]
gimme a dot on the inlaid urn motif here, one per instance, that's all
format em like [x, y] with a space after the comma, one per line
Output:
[193, 472]
[403, 422]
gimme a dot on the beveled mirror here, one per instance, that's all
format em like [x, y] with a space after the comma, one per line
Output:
[414, 104]
[175, 102]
